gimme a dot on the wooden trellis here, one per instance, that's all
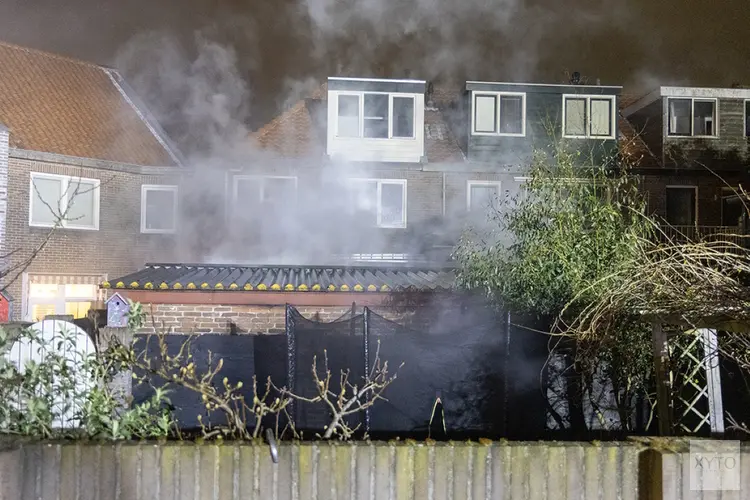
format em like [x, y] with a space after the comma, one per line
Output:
[690, 363]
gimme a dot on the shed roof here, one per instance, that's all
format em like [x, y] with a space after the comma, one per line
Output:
[286, 278]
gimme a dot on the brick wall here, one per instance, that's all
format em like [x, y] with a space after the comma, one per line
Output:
[4, 136]
[117, 248]
[192, 319]
[709, 194]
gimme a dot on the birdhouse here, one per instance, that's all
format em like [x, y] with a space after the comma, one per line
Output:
[117, 311]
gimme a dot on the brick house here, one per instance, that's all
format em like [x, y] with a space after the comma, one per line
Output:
[699, 154]
[79, 151]
[390, 172]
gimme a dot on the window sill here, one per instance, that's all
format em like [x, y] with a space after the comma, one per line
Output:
[591, 137]
[679, 136]
[72, 228]
[158, 231]
[376, 139]
[497, 134]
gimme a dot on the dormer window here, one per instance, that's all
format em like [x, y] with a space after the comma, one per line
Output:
[376, 120]
[499, 113]
[690, 117]
[374, 115]
[588, 116]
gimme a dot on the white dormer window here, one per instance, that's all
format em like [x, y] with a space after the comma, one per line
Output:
[589, 116]
[376, 120]
[375, 115]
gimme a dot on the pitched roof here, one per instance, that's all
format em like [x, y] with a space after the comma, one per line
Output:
[59, 105]
[300, 131]
[359, 278]
[631, 143]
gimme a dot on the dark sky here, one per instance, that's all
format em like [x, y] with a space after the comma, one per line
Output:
[638, 43]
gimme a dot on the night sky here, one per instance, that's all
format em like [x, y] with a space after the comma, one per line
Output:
[284, 45]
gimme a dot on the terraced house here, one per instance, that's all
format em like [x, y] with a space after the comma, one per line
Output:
[698, 142]
[370, 182]
[83, 169]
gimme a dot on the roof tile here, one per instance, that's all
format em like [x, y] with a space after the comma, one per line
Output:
[59, 105]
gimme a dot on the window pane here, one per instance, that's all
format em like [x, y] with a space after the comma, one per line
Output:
[681, 206]
[364, 201]
[277, 194]
[77, 309]
[376, 116]
[747, 118]
[511, 115]
[46, 204]
[732, 207]
[484, 113]
[39, 311]
[601, 117]
[482, 197]
[81, 204]
[575, 117]
[79, 291]
[679, 116]
[42, 290]
[348, 116]
[403, 117]
[160, 213]
[704, 117]
[392, 204]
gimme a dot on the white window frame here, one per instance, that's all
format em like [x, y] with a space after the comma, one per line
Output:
[588, 97]
[361, 131]
[692, 118]
[498, 98]
[145, 188]
[683, 186]
[262, 178]
[470, 184]
[404, 185]
[65, 181]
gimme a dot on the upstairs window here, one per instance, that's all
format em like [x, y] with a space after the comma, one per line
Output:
[375, 116]
[692, 117]
[158, 209]
[588, 116]
[499, 113]
[64, 201]
[681, 205]
[381, 202]
[482, 195]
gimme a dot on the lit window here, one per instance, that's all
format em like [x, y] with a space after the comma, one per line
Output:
[499, 113]
[382, 116]
[158, 209]
[482, 195]
[382, 201]
[64, 201]
[588, 116]
[60, 298]
[692, 117]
